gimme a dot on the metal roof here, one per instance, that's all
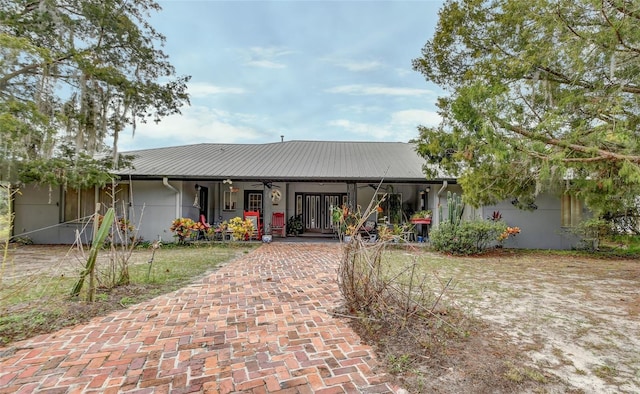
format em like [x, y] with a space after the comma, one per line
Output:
[290, 160]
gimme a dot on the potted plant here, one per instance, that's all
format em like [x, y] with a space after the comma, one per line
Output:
[346, 221]
[267, 237]
[294, 225]
[424, 214]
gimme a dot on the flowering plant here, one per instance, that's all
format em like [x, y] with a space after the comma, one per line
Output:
[510, 231]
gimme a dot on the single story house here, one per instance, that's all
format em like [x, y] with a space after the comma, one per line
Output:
[299, 178]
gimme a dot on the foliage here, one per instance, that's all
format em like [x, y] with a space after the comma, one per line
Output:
[508, 232]
[455, 209]
[591, 232]
[240, 228]
[98, 240]
[182, 227]
[495, 216]
[467, 238]
[76, 74]
[347, 220]
[628, 245]
[538, 92]
[424, 214]
[123, 230]
[295, 225]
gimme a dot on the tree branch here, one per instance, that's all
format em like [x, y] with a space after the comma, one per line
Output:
[602, 154]
[624, 11]
[6, 78]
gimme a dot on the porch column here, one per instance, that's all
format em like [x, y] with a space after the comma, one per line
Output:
[352, 195]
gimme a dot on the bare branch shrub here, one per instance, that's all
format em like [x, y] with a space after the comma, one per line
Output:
[400, 308]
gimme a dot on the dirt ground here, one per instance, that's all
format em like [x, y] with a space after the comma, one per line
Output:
[566, 323]
[540, 322]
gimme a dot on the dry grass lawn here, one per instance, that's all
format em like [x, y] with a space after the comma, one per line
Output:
[554, 322]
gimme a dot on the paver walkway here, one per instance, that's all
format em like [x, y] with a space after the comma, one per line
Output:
[257, 325]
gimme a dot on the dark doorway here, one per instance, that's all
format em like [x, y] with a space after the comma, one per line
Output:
[316, 211]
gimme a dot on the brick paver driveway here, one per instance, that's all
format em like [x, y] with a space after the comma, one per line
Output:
[257, 325]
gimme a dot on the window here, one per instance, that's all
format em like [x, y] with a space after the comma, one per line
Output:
[571, 209]
[391, 207]
[119, 200]
[79, 205]
[230, 200]
[254, 202]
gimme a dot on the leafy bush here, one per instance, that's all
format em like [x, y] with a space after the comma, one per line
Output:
[294, 225]
[465, 238]
[591, 233]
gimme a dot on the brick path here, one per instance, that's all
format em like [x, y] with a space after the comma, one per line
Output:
[257, 325]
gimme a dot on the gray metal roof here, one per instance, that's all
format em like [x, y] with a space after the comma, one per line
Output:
[290, 160]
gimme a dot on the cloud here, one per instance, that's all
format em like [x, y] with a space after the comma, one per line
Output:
[197, 124]
[356, 66]
[265, 64]
[203, 89]
[265, 57]
[415, 117]
[370, 90]
[401, 125]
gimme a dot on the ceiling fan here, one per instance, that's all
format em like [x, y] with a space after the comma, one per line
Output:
[267, 184]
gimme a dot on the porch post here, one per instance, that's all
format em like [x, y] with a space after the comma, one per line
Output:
[352, 195]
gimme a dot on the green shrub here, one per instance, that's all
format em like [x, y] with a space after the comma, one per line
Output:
[591, 233]
[470, 237]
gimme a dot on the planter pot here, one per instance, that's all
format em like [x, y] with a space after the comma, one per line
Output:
[267, 238]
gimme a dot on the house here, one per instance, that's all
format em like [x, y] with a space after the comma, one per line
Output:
[298, 178]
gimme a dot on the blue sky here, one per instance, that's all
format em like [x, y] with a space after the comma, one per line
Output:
[307, 70]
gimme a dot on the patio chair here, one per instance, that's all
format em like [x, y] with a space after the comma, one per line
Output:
[202, 234]
[278, 224]
[254, 216]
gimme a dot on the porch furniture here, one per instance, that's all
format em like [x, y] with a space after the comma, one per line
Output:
[278, 224]
[202, 233]
[409, 235]
[424, 226]
[369, 230]
[254, 216]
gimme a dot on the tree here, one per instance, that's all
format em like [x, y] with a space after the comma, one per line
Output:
[72, 74]
[543, 96]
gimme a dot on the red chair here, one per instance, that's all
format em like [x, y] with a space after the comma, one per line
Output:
[254, 216]
[277, 224]
[202, 233]
[203, 221]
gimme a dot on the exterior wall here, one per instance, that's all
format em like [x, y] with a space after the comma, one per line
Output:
[154, 206]
[38, 213]
[438, 202]
[540, 229]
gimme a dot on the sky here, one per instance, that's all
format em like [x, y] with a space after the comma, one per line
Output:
[266, 71]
